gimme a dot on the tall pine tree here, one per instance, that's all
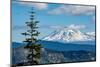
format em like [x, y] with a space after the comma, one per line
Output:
[31, 41]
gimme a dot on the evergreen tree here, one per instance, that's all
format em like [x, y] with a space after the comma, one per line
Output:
[31, 41]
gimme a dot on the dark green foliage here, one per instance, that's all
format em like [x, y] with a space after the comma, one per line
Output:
[32, 43]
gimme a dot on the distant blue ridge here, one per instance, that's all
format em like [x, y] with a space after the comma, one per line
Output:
[16, 44]
[57, 46]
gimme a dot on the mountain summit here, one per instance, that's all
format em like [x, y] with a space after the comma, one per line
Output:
[69, 34]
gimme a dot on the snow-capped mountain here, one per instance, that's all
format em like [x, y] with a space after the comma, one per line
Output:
[68, 34]
[91, 33]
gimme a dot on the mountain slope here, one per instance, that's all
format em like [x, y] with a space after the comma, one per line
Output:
[49, 56]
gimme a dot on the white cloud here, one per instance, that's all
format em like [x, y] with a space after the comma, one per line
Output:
[17, 27]
[73, 9]
[73, 26]
[55, 27]
[51, 26]
[39, 6]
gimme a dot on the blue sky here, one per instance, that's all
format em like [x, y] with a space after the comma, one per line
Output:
[51, 17]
